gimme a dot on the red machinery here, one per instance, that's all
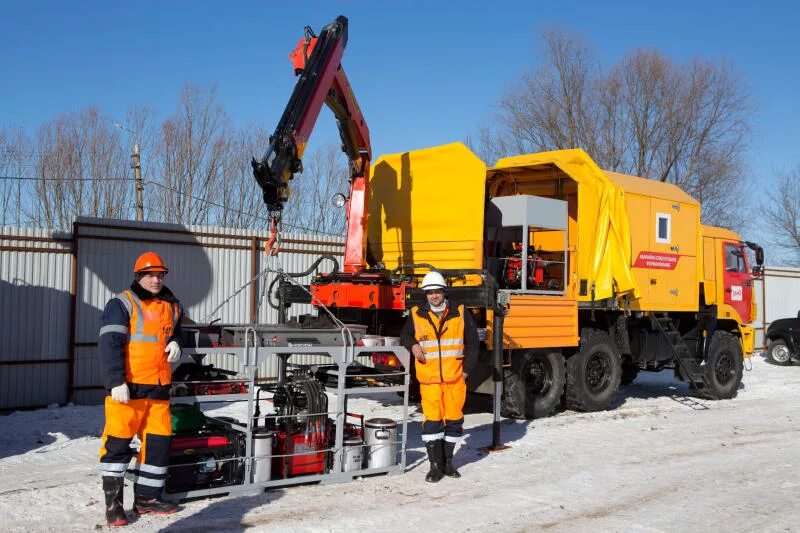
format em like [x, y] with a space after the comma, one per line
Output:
[317, 60]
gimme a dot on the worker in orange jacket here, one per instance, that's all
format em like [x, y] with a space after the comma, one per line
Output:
[138, 341]
[444, 342]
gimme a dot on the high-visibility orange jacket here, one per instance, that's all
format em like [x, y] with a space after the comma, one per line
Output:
[137, 326]
[450, 343]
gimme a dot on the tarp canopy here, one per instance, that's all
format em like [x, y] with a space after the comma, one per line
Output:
[604, 239]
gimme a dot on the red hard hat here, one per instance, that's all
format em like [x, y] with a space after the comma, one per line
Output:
[149, 262]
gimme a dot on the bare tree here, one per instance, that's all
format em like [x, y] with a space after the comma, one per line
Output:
[240, 202]
[782, 211]
[309, 207]
[79, 170]
[15, 152]
[645, 116]
[189, 159]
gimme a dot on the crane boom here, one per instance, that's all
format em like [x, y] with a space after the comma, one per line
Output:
[317, 62]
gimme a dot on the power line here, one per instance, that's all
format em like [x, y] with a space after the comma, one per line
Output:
[181, 193]
[258, 217]
[22, 178]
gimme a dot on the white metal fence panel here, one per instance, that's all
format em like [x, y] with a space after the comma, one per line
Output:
[778, 296]
[35, 301]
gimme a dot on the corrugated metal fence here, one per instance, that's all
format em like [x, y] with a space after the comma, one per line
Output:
[778, 296]
[54, 285]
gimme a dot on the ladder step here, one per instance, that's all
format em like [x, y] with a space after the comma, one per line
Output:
[690, 402]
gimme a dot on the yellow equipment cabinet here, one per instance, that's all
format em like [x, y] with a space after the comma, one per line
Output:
[666, 223]
[426, 206]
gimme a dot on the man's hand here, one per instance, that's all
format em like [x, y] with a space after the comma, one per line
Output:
[120, 393]
[419, 355]
[174, 352]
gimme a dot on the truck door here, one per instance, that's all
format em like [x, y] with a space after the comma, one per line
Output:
[738, 283]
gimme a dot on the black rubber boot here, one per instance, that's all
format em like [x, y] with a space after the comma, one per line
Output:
[449, 469]
[115, 512]
[144, 505]
[435, 455]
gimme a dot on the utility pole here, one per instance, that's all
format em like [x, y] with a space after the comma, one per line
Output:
[136, 165]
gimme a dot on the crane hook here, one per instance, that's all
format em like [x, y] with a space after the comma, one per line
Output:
[270, 248]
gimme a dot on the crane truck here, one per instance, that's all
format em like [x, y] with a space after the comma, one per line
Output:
[581, 277]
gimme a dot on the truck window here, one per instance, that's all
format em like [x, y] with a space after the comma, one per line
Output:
[663, 228]
[734, 259]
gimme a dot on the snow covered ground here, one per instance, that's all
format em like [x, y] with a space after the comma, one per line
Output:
[652, 463]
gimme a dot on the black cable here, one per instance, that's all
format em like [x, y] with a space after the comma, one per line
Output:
[258, 409]
[308, 271]
[429, 266]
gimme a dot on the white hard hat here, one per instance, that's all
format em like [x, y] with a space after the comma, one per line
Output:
[433, 280]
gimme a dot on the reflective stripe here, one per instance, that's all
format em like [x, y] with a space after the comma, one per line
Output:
[113, 467]
[450, 438]
[450, 342]
[108, 473]
[149, 482]
[152, 469]
[125, 302]
[444, 342]
[138, 337]
[113, 329]
[432, 437]
[444, 353]
[139, 312]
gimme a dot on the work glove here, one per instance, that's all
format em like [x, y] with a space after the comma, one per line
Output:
[120, 393]
[174, 352]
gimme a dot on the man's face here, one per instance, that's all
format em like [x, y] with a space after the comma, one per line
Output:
[152, 281]
[435, 297]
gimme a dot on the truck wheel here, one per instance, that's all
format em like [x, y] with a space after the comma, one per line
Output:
[533, 385]
[778, 352]
[594, 373]
[629, 373]
[723, 368]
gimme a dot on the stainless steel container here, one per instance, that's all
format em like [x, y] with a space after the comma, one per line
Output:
[352, 454]
[380, 439]
[262, 454]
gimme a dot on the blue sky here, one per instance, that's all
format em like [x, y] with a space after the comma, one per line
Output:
[425, 73]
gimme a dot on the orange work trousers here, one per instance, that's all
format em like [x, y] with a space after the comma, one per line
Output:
[151, 421]
[443, 409]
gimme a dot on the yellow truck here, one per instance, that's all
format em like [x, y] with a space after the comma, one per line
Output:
[599, 275]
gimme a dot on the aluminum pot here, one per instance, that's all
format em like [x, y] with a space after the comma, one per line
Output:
[352, 454]
[380, 439]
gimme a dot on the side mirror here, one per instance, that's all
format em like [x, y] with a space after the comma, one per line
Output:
[758, 271]
[759, 251]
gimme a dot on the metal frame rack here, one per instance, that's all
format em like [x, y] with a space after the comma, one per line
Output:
[261, 343]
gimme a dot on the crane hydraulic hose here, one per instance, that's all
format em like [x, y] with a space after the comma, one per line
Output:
[306, 272]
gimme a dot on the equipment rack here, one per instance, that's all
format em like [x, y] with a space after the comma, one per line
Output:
[258, 348]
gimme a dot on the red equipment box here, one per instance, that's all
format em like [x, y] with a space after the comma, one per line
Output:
[298, 458]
